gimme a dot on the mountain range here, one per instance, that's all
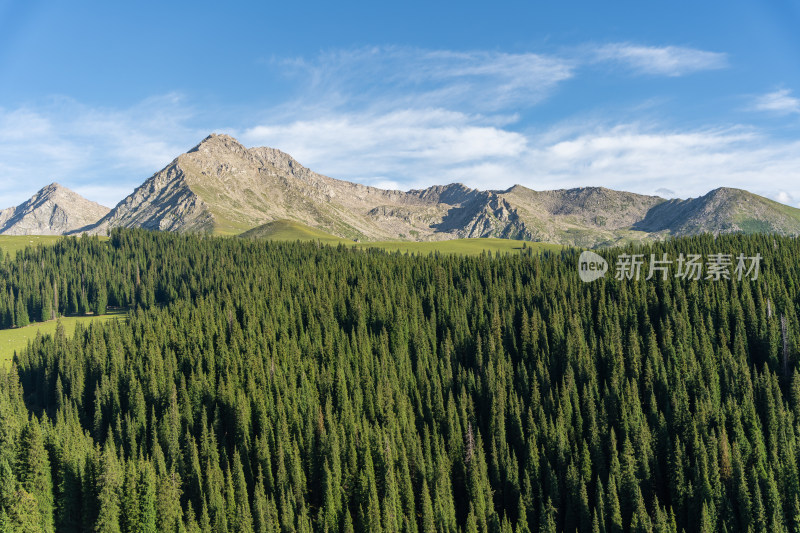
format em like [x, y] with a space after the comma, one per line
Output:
[221, 187]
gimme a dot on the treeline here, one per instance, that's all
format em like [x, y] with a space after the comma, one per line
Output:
[293, 387]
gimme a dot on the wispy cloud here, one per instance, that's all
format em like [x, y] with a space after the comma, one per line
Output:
[101, 153]
[781, 102]
[427, 122]
[415, 148]
[428, 78]
[661, 61]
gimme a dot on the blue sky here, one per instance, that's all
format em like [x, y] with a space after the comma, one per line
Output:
[671, 98]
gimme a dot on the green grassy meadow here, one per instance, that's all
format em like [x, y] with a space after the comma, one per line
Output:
[13, 243]
[14, 339]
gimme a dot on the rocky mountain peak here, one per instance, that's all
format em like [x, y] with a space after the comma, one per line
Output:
[53, 210]
[726, 193]
[217, 143]
[53, 188]
[53, 192]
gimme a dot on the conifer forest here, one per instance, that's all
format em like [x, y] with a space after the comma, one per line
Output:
[289, 386]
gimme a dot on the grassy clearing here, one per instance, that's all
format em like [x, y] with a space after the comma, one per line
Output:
[462, 246]
[15, 339]
[12, 243]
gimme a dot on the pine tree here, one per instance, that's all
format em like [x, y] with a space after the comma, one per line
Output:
[615, 512]
[33, 472]
[100, 298]
[146, 485]
[130, 513]
[257, 382]
[328, 520]
[261, 518]
[244, 520]
[21, 317]
[169, 515]
[428, 524]
[547, 521]
[109, 483]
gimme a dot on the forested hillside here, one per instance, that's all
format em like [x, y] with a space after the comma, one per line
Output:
[267, 386]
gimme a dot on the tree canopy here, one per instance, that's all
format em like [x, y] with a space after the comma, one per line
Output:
[266, 386]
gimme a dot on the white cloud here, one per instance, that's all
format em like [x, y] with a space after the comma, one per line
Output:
[389, 185]
[418, 148]
[414, 144]
[395, 108]
[101, 153]
[642, 159]
[780, 102]
[662, 61]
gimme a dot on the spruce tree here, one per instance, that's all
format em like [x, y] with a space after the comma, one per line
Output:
[33, 472]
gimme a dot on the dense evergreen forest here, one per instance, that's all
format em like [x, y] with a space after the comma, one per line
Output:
[296, 387]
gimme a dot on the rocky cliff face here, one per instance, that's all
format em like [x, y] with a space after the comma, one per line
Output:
[54, 210]
[164, 202]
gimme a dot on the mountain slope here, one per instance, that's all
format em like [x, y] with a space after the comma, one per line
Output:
[54, 210]
[163, 202]
[722, 210]
[222, 187]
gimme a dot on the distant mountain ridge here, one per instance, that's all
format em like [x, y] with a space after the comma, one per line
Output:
[222, 187]
[53, 210]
